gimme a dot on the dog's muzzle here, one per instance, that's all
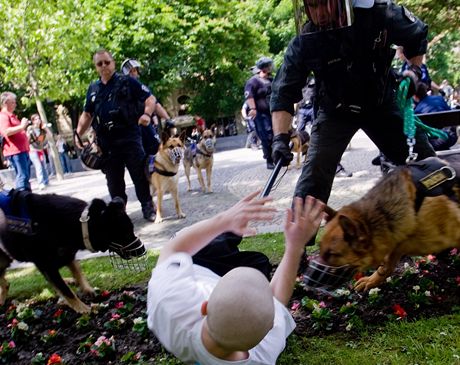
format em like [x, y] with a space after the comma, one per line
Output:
[319, 275]
[209, 144]
[132, 256]
[176, 154]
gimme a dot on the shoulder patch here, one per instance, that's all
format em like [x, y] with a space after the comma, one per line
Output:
[409, 15]
[145, 88]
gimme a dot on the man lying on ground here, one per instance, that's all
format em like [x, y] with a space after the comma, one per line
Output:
[240, 317]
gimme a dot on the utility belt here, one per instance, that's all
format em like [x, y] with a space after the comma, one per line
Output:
[14, 207]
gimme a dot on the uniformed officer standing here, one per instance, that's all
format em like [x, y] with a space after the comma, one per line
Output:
[112, 109]
[347, 46]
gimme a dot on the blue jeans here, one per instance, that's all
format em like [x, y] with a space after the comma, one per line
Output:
[65, 162]
[21, 165]
[263, 124]
[40, 167]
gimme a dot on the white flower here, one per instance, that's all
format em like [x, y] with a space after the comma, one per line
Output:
[389, 279]
[138, 320]
[416, 288]
[374, 291]
[342, 292]
[349, 327]
[427, 293]
[406, 266]
[23, 326]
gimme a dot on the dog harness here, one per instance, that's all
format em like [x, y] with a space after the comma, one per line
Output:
[432, 177]
[15, 209]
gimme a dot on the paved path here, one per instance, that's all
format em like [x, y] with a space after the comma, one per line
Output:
[236, 173]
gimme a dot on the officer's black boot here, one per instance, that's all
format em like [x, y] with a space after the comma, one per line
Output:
[148, 211]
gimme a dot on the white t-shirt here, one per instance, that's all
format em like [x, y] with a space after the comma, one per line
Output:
[176, 291]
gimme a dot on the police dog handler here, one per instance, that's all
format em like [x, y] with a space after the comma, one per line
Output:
[348, 47]
[240, 317]
[112, 109]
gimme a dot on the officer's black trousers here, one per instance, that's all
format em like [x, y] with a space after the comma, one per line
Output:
[130, 155]
[331, 134]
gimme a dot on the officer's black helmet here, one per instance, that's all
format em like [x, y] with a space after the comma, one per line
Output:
[264, 62]
[329, 14]
[128, 64]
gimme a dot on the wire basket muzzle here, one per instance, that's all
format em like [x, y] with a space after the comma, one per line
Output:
[320, 275]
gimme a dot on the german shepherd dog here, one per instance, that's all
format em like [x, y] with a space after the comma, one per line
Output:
[406, 213]
[300, 142]
[201, 157]
[165, 177]
[53, 232]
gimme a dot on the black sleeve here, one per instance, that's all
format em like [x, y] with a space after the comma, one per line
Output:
[289, 80]
[407, 30]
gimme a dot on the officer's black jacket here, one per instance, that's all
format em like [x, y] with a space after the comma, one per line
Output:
[352, 66]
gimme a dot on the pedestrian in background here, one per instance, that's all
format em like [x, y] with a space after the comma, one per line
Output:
[15, 141]
[63, 150]
[36, 134]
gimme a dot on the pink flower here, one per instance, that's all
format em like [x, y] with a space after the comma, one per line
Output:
[115, 316]
[295, 305]
[119, 305]
[322, 305]
[52, 332]
[11, 345]
[14, 323]
[453, 252]
[399, 311]
[431, 258]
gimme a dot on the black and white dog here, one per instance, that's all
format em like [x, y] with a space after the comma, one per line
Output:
[49, 229]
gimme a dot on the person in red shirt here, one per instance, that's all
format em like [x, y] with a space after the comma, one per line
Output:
[15, 141]
[200, 124]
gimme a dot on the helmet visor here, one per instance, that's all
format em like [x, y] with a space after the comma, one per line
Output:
[329, 14]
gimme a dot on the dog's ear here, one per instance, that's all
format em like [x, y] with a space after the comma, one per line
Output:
[117, 204]
[354, 233]
[164, 137]
[96, 208]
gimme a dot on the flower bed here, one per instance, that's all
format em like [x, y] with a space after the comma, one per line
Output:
[116, 331]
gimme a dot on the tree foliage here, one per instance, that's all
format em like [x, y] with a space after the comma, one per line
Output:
[205, 47]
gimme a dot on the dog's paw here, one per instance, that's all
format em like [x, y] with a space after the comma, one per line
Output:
[365, 283]
[181, 215]
[88, 291]
[70, 281]
[158, 219]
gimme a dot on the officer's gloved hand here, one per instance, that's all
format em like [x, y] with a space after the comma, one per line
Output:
[281, 150]
[414, 73]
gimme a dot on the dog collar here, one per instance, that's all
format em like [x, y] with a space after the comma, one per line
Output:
[84, 218]
[203, 153]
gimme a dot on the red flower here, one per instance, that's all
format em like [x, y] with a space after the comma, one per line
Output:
[358, 276]
[54, 359]
[105, 293]
[119, 305]
[399, 311]
[58, 313]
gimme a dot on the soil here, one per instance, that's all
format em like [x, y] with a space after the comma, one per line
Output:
[426, 287]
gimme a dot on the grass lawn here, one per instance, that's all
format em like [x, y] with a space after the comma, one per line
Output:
[427, 341]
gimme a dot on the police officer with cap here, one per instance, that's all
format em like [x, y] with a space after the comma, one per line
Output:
[150, 134]
[257, 94]
[112, 109]
[348, 47]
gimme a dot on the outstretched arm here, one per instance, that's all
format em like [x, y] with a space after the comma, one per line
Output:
[235, 219]
[299, 227]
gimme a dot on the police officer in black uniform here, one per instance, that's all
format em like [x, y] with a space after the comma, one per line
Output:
[112, 109]
[347, 46]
